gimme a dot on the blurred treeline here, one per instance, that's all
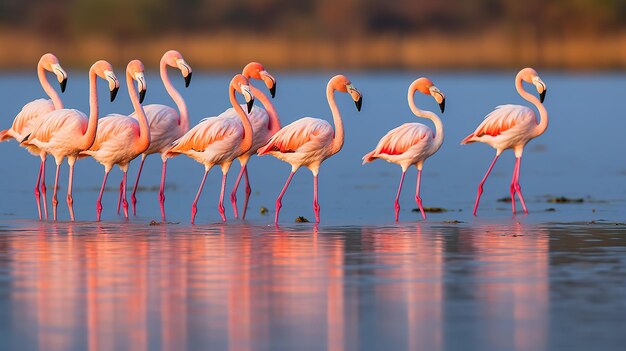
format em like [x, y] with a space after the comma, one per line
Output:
[320, 33]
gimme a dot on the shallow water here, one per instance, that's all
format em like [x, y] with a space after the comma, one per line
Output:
[550, 280]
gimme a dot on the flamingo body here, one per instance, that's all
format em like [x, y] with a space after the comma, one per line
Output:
[406, 145]
[59, 133]
[26, 121]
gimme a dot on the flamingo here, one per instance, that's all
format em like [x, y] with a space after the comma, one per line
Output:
[218, 140]
[66, 132]
[309, 141]
[265, 123]
[412, 143]
[511, 127]
[166, 124]
[120, 139]
[30, 116]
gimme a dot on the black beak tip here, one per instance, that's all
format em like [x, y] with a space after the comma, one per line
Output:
[114, 93]
[250, 103]
[442, 105]
[542, 96]
[273, 90]
[142, 95]
[187, 80]
[359, 103]
[63, 85]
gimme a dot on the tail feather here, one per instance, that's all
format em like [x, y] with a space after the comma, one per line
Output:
[4, 135]
[369, 157]
[468, 139]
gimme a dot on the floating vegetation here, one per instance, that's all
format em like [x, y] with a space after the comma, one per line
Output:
[301, 219]
[153, 222]
[454, 221]
[551, 209]
[505, 199]
[565, 200]
[431, 209]
[264, 210]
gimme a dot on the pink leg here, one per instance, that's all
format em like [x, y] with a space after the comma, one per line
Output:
[279, 203]
[512, 188]
[220, 205]
[482, 182]
[99, 202]
[233, 194]
[194, 206]
[70, 199]
[119, 198]
[396, 204]
[162, 190]
[418, 199]
[43, 189]
[133, 199]
[248, 192]
[518, 188]
[124, 202]
[316, 205]
[55, 202]
[37, 193]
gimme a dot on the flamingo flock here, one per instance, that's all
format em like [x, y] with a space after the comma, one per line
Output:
[44, 127]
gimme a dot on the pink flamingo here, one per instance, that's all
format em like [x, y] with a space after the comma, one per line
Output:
[30, 116]
[166, 124]
[218, 140]
[66, 132]
[412, 143]
[120, 139]
[511, 127]
[309, 141]
[265, 123]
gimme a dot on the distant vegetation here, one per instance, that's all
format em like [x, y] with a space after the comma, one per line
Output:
[322, 33]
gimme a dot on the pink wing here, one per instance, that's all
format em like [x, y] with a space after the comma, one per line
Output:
[300, 136]
[60, 121]
[398, 140]
[112, 126]
[205, 133]
[503, 118]
[28, 119]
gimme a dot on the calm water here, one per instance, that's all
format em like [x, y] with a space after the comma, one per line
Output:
[551, 280]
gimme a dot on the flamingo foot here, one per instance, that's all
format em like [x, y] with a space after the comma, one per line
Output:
[233, 201]
[418, 200]
[98, 210]
[70, 206]
[245, 202]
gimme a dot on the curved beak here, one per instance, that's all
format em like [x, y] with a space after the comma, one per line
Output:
[141, 82]
[270, 82]
[247, 94]
[114, 93]
[185, 69]
[250, 104]
[142, 95]
[359, 103]
[114, 84]
[542, 96]
[63, 84]
[356, 96]
[442, 105]
[187, 80]
[273, 90]
[61, 75]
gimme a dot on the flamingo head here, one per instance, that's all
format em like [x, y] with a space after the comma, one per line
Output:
[135, 70]
[241, 85]
[51, 64]
[529, 75]
[255, 70]
[343, 84]
[174, 59]
[104, 70]
[426, 86]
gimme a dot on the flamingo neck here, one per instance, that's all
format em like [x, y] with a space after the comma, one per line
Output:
[143, 142]
[92, 125]
[175, 95]
[274, 122]
[543, 113]
[246, 142]
[427, 114]
[45, 84]
[337, 143]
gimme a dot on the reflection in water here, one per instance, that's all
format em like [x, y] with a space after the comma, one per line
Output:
[242, 287]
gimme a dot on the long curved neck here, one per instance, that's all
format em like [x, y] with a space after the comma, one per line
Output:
[430, 115]
[92, 125]
[140, 145]
[274, 125]
[43, 79]
[339, 135]
[543, 113]
[178, 99]
[246, 142]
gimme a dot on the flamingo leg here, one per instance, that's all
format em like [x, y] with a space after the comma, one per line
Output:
[119, 198]
[316, 205]
[43, 189]
[482, 182]
[396, 204]
[279, 203]
[220, 205]
[194, 206]
[418, 199]
[512, 188]
[133, 198]
[124, 202]
[248, 192]
[233, 194]
[162, 190]
[518, 188]
[70, 199]
[99, 202]
[55, 202]
[37, 193]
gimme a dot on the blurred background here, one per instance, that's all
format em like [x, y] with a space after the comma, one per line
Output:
[308, 34]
